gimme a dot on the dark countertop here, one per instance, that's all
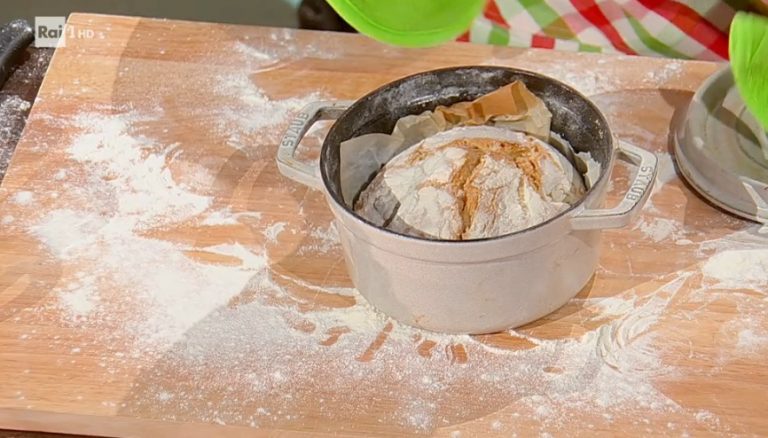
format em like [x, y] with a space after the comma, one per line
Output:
[18, 434]
[16, 98]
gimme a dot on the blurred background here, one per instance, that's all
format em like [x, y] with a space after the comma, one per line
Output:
[255, 12]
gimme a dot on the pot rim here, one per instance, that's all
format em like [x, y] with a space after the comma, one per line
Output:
[598, 184]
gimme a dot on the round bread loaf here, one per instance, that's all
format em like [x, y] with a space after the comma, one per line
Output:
[471, 183]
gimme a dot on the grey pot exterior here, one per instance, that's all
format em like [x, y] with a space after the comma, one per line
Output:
[478, 286]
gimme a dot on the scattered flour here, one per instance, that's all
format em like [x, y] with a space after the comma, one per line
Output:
[278, 48]
[79, 300]
[607, 369]
[593, 81]
[68, 233]
[324, 239]
[253, 53]
[274, 230]
[172, 297]
[227, 217]
[248, 110]
[164, 396]
[219, 217]
[587, 82]
[666, 171]
[750, 341]
[705, 416]
[658, 229]
[671, 70]
[23, 197]
[128, 176]
[133, 170]
[568, 71]
[613, 306]
[738, 268]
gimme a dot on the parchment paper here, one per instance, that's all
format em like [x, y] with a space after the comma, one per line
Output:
[582, 161]
[512, 106]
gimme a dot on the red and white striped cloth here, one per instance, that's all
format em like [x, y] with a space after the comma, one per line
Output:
[695, 29]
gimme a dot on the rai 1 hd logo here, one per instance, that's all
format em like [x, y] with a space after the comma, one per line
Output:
[53, 32]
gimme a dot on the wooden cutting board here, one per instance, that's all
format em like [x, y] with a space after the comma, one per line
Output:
[159, 277]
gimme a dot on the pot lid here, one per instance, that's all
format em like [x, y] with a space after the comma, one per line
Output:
[721, 149]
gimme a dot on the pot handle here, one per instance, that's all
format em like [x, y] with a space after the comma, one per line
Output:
[287, 163]
[634, 198]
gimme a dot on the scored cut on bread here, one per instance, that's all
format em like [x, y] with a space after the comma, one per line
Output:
[471, 183]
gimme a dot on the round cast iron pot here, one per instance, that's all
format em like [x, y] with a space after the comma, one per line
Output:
[475, 286]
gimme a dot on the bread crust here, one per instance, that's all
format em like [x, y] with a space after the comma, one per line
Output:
[470, 183]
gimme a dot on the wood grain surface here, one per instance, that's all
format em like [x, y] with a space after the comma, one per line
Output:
[655, 344]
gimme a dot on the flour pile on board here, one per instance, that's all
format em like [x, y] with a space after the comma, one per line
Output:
[79, 299]
[129, 191]
[247, 110]
[23, 197]
[738, 262]
[244, 108]
[132, 170]
[739, 268]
